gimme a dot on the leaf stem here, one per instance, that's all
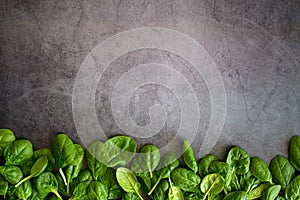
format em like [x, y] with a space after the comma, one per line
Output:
[63, 176]
[22, 181]
[153, 188]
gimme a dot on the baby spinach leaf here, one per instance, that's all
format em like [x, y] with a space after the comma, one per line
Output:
[18, 152]
[294, 152]
[3, 186]
[204, 164]
[6, 137]
[72, 172]
[80, 191]
[12, 174]
[45, 152]
[46, 183]
[256, 192]
[248, 182]
[282, 171]
[130, 196]
[128, 181]
[220, 167]
[61, 185]
[240, 195]
[24, 191]
[121, 149]
[271, 193]
[260, 170]
[149, 158]
[174, 192]
[160, 193]
[84, 175]
[292, 191]
[168, 163]
[97, 191]
[38, 167]
[97, 154]
[110, 181]
[64, 150]
[189, 156]
[239, 160]
[186, 179]
[212, 184]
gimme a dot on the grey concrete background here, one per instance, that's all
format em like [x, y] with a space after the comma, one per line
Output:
[255, 44]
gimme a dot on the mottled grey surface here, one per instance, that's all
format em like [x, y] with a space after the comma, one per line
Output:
[255, 44]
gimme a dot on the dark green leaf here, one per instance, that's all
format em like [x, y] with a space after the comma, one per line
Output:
[12, 174]
[45, 152]
[294, 152]
[186, 179]
[292, 191]
[282, 171]
[18, 152]
[204, 164]
[189, 156]
[24, 191]
[128, 181]
[160, 193]
[239, 160]
[97, 191]
[259, 169]
[47, 183]
[6, 137]
[64, 150]
[80, 191]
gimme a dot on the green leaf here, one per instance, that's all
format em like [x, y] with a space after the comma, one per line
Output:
[97, 191]
[186, 179]
[38, 167]
[294, 152]
[3, 186]
[271, 193]
[175, 193]
[128, 181]
[219, 167]
[259, 169]
[237, 195]
[45, 152]
[18, 152]
[149, 158]
[292, 191]
[80, 191]
[6, 137]
[12, 174]
[24, 191]
[160, 193]
[282, 171]
[47, 183]
[110, 180]
[248, 182]
[239, 160]
[130, 196]
[212, 184]
[257, 192]
[204, 164]
[64, 150]
[168, 163]
[97, 154]
[189, 156]
[121, 149]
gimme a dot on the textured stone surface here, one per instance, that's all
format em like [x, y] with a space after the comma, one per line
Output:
[255, 44]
